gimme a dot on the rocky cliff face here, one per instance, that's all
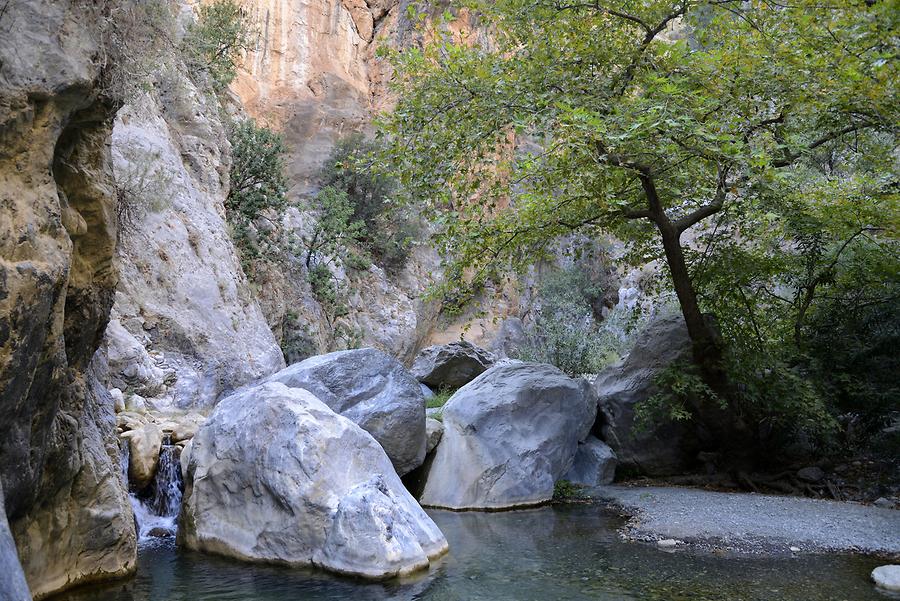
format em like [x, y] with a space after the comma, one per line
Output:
[57, 284]
[182, 294]
[314, 76]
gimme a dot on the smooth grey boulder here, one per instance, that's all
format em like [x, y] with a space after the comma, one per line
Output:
[13, 586]
[594, 464]
[509, 435]
[375, 391]
[451, 365]
[276, 476]
[668, 448]
[433, 432]
[887, 577]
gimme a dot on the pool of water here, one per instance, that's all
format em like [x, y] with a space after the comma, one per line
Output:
[550, 553]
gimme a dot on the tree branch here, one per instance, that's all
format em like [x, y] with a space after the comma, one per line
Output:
[707, 210]
[790, 157]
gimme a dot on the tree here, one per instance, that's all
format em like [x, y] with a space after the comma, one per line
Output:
[215, 41]
[388, 230]
[645, 119]
[257, 190]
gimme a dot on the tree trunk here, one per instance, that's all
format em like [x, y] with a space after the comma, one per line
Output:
[707, 347]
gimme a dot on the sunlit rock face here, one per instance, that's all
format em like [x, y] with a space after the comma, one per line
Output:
[182, 292]
[66, 507]
[275, 475]
[509, 435]
[375, 391]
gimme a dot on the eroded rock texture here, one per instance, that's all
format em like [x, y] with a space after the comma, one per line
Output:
[275, 475]
[67, 509]
[182, 292]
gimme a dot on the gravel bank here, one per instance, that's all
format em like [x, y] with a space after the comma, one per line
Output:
[752, 523]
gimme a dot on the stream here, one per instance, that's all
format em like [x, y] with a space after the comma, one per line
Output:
[567, 552]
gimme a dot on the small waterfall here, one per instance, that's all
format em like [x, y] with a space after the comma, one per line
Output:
[124, 459]
[156, 512]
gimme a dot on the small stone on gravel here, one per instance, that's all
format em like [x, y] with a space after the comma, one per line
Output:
[887, 577]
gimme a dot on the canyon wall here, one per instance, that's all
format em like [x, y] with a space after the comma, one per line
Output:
[57, 238]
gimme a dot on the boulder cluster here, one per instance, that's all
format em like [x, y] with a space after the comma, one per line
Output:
[304, 467]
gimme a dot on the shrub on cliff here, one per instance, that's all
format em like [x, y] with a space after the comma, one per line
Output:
[388, 232]
[214, 42]
[257, 192]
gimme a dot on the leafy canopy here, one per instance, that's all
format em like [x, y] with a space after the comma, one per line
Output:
[552, 123]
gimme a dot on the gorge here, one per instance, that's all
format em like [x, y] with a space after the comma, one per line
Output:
[217, 389]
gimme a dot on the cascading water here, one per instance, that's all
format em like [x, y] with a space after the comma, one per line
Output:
[157, 513]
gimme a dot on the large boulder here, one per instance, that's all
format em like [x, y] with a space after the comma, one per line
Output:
[451, 365]
[375, 391]
[594, 464]
[509, 435]
[665, 449]
[275, 475]
[143, 446]
[12, 580]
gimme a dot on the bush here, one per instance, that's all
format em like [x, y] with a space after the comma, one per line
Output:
[257, 189]
[214, 42]
[388, 233]
[564, 333]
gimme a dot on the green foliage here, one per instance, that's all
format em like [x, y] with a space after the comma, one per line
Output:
[564, 490]
[758, 140]
[214, 42]
[297, 342]
[439, 399]
[388, 232]
[679, 388]
[257, 192]
[564, 332]
[335, 233]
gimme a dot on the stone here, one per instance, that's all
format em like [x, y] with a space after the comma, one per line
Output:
[12, 579]
[509, 435]
[372, 389]
[666, 449]
[118, 400]
[143, 446]
[185, 458]
[316, 489]
[811, 474]
[451, 365]
[594, 464]
[884, 503]
[130, 365]
[887, 577]
[433, 432]
[426, 391]
[182, 289]
[64, 502]
[667, 543]
[135, 403]
[510, 339]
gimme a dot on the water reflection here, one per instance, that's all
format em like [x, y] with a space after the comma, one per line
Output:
[570, 553]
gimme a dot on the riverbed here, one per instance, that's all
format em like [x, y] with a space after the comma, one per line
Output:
[568, 552]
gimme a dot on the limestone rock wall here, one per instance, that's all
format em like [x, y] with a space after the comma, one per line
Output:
[182, 293]
[57, 281]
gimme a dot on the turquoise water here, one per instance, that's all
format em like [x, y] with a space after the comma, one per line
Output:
[550, 553]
